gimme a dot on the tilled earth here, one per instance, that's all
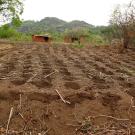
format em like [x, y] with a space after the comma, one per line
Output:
[98, 85]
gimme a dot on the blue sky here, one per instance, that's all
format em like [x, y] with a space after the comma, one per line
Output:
[96, 12]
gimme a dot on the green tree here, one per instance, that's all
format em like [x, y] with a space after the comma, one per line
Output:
[16, 22]
[6, 31]
[77, 32]
[10, 9]
[110, 32]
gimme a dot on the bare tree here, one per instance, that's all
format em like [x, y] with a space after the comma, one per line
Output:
[124, 18]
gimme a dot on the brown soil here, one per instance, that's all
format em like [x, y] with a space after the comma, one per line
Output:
[99, 84]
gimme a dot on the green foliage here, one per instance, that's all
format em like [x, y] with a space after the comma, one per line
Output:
[96, 30]
[96, 39]
[51, 24]
[16, 22]
[7, 32]
[59, 28]
[77, 32]
[21, 37]
[94, 35]
[109, 33]
[76, 24]
[58, 37]
[76, 45]
[10, 9]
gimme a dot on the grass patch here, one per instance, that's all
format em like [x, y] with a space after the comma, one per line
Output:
[77, 45]
[21, 37]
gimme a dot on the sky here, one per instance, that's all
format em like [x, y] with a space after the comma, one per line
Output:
[96, 12]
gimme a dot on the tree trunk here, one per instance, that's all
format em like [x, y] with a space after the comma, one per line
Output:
[126, 42]
[126, 38]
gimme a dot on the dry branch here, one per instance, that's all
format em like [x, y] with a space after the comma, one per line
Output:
[29, 80]
[55, 71]
[66, 102]
[132, 102]
[9, 119]
[22, 117]
[110, 117]
[46, 131]
[131, 105]
[20, 101]
[86, 127]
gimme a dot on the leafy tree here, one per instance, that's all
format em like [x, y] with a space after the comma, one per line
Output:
[110, 32]
[10, 9]
[76, 32]
[124, 19]
[6, 31]
[16, 22]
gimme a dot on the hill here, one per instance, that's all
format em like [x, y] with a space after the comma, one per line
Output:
[51, 24]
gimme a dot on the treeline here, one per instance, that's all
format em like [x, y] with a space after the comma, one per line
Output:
[121, 26]
[95, 35]
[9, 32]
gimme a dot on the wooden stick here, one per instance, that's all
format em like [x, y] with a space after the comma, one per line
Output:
[22, 117]
[132, 102]
[20, 101]
[111, 117]
[29, 80]
[9, 119]
[66, 102]
[131, 105]
[46, 131]
[56, 71]
[73, 125]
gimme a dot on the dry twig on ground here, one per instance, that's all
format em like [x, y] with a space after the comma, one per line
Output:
[65, 101]
[110, 117]
[131, 105]
[55, 71]
[9, 119]
[29, 80]
[46, 131]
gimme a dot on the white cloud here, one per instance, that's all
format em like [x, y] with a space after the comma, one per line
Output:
[95, 12]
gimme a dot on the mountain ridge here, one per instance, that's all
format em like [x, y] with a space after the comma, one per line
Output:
[50, 24]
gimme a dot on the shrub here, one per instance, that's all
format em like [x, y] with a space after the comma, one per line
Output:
[6, 31]
[76, 45]
[21, 37]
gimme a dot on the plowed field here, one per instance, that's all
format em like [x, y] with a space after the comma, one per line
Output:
[97, 85]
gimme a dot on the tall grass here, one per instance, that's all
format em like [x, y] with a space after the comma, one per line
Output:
[21, 37]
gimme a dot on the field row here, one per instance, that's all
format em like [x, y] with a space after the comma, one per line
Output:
[76, 68]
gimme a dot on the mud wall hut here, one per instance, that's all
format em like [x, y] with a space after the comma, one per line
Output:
[42, 38]
[76, 35]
